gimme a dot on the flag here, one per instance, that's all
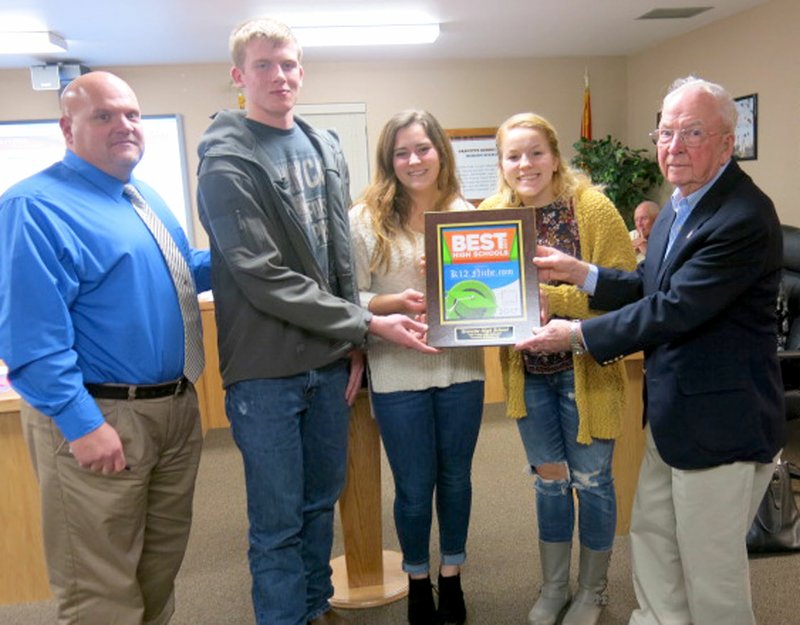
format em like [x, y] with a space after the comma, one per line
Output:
[586, 119]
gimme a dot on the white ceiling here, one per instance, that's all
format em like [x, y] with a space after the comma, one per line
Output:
[144, 32]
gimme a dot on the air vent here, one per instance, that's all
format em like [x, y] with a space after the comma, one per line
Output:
[673, 14]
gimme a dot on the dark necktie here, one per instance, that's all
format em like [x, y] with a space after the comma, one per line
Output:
[193, 358]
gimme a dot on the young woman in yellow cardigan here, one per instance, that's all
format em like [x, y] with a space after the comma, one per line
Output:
[568, 407]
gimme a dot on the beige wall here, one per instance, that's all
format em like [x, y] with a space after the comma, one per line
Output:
[462, 94]
[756, 51]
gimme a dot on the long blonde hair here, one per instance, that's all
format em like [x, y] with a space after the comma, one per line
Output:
[567, 182]
[387, 201]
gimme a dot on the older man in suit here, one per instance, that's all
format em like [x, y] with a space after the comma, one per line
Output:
[702, 307]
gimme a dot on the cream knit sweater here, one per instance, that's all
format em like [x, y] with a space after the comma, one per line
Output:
[392, 367]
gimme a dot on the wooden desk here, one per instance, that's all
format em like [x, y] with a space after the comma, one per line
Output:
[20, 518]
[628, 450]
[211, 395]
[23, 575]
[629, 447]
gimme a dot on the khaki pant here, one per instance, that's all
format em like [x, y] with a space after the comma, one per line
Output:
[114, 543]
[688, 547]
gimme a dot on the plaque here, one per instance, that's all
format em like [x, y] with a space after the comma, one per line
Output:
[482, 287]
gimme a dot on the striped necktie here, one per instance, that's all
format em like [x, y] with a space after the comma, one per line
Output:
[193, 358]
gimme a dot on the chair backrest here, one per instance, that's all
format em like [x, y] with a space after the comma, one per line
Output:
[791, 282]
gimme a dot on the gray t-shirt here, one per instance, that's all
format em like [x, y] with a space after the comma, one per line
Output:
[294, 156]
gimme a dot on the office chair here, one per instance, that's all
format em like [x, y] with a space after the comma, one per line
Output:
[789, 320]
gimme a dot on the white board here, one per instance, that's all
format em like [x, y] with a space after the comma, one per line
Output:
[27, 147]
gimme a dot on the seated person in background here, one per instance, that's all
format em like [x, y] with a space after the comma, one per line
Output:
[644, 216]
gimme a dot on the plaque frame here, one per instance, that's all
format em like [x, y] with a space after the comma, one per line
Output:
[482, 287]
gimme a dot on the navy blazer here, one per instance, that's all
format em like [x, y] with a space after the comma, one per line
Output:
[705, 317]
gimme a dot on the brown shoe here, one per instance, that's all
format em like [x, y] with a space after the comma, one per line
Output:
[331, 617]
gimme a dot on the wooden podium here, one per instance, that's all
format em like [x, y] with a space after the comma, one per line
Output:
[367, 575]
[629, 448]
[23, 574]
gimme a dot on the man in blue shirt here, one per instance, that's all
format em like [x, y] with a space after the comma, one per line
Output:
[93, 334]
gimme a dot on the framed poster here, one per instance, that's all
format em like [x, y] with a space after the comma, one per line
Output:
[482, 287]
[746, 147]
[476, 161]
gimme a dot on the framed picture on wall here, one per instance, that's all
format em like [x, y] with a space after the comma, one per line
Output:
[476, 161]
[746, 148]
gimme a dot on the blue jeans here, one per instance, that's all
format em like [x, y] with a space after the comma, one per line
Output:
[430, 438]
[549, 434]
[292, 433]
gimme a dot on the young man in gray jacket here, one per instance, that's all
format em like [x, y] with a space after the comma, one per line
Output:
[273, 196]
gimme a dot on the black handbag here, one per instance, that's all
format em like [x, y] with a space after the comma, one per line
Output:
[777, 523]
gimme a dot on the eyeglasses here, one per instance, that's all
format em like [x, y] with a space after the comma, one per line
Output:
[691, 137]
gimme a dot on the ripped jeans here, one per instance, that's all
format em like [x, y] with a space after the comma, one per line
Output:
[549, 434]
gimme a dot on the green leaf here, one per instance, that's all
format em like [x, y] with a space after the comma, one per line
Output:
[628, 175]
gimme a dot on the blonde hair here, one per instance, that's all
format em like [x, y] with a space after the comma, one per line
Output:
[270, 29]
[567, 182]
[386, 199]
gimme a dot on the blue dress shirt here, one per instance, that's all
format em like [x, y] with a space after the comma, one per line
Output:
[683, 207]
[85, 294]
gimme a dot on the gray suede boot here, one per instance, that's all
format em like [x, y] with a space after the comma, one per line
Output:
[591, 597]
[554, 594]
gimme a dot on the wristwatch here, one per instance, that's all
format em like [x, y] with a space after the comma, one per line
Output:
[575, 343]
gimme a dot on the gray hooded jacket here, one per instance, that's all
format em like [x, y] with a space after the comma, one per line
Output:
[276, 315]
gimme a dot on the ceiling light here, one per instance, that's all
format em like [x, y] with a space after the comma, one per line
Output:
[31, 42]
[366, 35]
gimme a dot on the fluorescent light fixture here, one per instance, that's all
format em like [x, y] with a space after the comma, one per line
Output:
[31, 42]
[366, 34]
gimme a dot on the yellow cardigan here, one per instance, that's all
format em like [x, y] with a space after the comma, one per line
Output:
[599, 391]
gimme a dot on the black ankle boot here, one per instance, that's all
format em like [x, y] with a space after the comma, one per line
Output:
[421, 609]
[451, 600]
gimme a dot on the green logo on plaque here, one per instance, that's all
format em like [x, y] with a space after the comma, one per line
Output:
[469, 299]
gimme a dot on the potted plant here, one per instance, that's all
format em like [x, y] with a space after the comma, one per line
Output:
[627, 174]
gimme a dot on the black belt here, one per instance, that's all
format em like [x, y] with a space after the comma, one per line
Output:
[148, 391]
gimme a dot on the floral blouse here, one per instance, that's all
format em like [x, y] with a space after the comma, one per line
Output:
[555, 227]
